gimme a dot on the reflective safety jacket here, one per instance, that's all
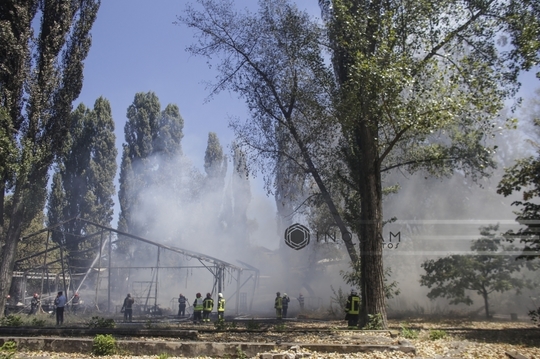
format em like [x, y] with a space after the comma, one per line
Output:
[353, 305]
[221, 305]
[278, 304]
[208, 304]
[198, 304]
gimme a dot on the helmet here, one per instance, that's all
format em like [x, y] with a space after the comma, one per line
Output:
[220, 295]
[129, 295]
[278, 293]
[284, 294]
[198, 295]
[208, 295]
[353, 291]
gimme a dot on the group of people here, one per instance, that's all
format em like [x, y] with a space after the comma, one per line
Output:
[281, 304]
[202, 307]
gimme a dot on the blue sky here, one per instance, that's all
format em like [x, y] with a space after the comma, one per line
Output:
[137, 48]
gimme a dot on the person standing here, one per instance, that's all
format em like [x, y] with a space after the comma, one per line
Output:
[197, 308]
[285, 304]
[208, 306]
[301, 301]
[75, 303]
[60, 303]
[181, 305]
[128, 308]
[34, 304]
[221, 307]
[352, 308]
[278, 305]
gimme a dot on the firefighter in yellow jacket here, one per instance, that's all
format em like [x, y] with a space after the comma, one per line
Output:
[197, 308]
[221, 307]
[352, 309]
[208, 306]
[278, 305]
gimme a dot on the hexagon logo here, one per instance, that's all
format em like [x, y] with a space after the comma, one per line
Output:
[297, 236]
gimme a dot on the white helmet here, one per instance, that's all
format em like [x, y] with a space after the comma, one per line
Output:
[220, 295]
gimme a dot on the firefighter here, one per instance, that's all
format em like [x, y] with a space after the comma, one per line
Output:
[278, 305]
[221, 307]
[352, 309]
[301, 302]
[75, 303]
[285, 304]
[127, 308]
[197, 308]
[181, 305]
[208, 306]
[34, 304]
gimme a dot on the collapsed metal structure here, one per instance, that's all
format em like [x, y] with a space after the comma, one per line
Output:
[59, 271]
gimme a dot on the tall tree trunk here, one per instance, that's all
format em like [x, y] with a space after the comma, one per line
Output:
[9, 251]
[486, 304]
[371, 216]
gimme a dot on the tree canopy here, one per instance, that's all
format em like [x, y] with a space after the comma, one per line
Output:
[414, 85]
[40, 76]
[490, 269]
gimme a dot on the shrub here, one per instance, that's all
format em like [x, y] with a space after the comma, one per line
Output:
[253, 325]
[408, 333]
[98, 322]
[436, 334]
[11, 321]
[279, 327]
[104, 345]
[375, 322]
[36, 322]
[163, 356]
[8, 349]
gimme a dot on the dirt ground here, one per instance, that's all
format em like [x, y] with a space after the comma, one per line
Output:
[461, 338]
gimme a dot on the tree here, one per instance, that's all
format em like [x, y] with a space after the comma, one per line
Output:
[150, 161]
[40, 77]
[524, 176]
[490, 270]
[418, 85]
[85, 186]
[215, 163]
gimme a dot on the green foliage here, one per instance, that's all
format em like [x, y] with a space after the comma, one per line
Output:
[408, 333]
[36, 322]
[221, 325]
[280, 327]
[535, 316]
[435, 334]
[41, 74]
[354, 278]
[375, 322]
[240, 354]
[8, 349]
[163, 356]
[253, 325]
[524, 177]
[99, 322]
[104, 345]
[150, 324]
[490, 269]
[11, 320]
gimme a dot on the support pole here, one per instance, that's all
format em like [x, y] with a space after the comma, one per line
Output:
[44, 270]
[157, 280]
[109, 275]
[238, 291]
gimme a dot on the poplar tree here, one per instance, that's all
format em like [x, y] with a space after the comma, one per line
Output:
[85, 187]
[150, 162]
[215, 164]
[40, 77]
